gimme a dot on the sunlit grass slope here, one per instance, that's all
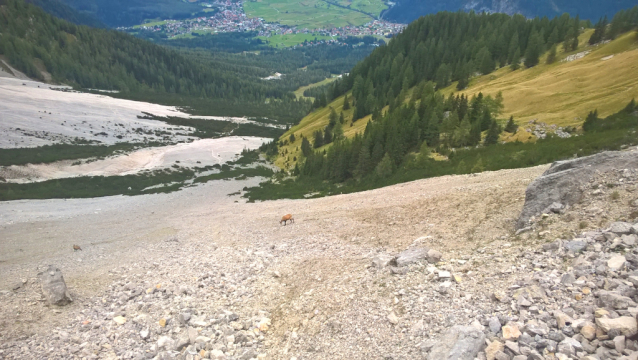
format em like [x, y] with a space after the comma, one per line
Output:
[563, 93]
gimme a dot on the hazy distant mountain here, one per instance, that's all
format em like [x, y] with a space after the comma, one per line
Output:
[406, 11]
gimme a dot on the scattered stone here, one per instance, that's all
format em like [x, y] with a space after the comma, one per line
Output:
[120, 320]
[393, 319]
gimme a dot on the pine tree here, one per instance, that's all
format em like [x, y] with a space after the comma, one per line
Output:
[492, 134]
[292, 138]
[332, 118]
[384, 168]
[346, 103]
[631, 107]
[569, 39]
[534, 50]
[516, 60]
[484, 58]
[341, 118]
[486, 120]
[551, 57]
[511, 127]
[306, 150]
[514, 46]
[591, 121]
[599, 32]
[337, 131]
[318, 139]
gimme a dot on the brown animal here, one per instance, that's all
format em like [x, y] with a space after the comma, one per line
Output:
[287, 218]
[76, 248]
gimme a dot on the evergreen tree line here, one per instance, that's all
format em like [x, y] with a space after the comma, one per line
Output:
[448, 47]
[427, 120]
[622, 22]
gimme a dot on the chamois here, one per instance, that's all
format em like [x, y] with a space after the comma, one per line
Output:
[286, 218]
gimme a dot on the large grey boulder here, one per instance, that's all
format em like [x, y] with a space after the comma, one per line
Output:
[561, 184]
[458, 343]
[54, 287]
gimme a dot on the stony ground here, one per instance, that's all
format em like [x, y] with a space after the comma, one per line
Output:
[195, 274]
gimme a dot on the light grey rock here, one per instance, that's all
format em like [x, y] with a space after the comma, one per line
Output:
[569, 347]
[144, 333]
[458, 343]
[494, 325]
[54, 287]
[634, 229]
[411, 256]
[381, 260]
[567, 279]
[434, 256]
[562, 182]
[248, 354]
[625, 325]
[629, 240]
[182, 342]
[616, 262]
[621, 228]
[554, 207]
[555, 245]
[614, 300]
[576, 246]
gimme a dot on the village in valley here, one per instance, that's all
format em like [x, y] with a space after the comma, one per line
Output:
[230, 17]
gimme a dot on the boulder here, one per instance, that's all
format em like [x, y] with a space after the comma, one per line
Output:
[458, 343]
[614, 300]
[54, 287]
[621, 228]
[562, 182]
[626, 325]
[411, 256]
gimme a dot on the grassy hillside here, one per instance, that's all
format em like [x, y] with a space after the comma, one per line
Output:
[564, 92]
[316, 120]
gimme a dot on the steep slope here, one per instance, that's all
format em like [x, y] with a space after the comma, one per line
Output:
[406, 11]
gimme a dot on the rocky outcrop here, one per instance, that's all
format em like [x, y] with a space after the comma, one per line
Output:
[561, 185]
[54, 287]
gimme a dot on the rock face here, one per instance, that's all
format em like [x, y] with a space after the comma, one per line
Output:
[561, 183]
[459, 343]
[54, 287]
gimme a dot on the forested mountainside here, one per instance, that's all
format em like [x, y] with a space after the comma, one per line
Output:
[410, 120]
[407, 11]
[117, 13]
[105, 59]
[65, 12]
